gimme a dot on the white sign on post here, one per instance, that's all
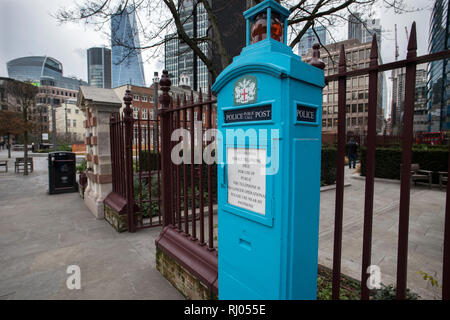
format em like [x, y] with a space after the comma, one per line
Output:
[247, 178]
[45, 136]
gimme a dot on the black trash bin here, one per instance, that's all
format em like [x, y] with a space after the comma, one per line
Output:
[62, 172]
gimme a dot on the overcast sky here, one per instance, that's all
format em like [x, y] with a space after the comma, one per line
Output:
[26, 28]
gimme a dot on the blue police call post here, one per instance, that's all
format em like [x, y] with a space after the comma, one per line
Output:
[269, 151]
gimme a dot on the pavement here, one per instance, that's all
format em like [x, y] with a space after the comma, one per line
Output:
[425, 239]
[41, 235]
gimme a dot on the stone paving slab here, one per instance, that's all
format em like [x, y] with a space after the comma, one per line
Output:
[425, 243]
[42, 234]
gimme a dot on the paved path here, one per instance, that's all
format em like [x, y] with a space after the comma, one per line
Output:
[426, 232]
[41, 235]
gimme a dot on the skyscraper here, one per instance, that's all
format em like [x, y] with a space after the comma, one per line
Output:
[127, 67]
[438, 96]
[363, 29]
[309, 38]
[179, 57]
[99, 67]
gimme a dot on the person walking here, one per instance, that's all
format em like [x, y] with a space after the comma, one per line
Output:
[352, 153]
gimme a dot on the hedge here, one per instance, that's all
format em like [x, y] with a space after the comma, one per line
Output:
[328, 166]
[388, 160]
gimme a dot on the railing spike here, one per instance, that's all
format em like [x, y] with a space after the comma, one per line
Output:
[412, 43]
[374, 48]
[342, 60]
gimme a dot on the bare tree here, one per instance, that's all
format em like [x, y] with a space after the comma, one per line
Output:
[163, 19]
[25, 95]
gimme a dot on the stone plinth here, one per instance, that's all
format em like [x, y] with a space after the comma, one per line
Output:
[98, 104]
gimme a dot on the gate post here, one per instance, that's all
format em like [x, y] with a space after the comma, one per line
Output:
[129, 121]
[166, 161]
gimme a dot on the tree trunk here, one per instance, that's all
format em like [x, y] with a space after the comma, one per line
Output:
[8, 146]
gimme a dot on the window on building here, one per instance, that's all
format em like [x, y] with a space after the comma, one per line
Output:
[354, 108]
[145, 114]
[360, 95]
[144, 98]
[74, 122]
[136, 97]
[360, 107]
[77, 111]
[135, 112]
[69, 110]
[361, 81]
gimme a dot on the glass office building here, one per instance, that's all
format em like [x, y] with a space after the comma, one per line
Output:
[127, 66]
[438, 97]
[179, 58]
[41, 68]
[309, 38]
[99, 67]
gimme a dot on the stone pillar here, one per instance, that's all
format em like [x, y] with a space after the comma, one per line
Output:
[98, 104]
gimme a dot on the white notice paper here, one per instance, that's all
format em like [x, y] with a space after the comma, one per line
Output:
[247, 178]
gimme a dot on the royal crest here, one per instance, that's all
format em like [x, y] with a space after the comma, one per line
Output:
[245, 90]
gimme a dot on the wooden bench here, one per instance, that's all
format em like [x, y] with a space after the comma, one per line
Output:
[20, 164]
[4, 163]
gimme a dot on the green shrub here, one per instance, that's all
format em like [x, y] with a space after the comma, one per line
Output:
[390, 293]
[388, 160]
[82, 166]
[155, 161]
[328, 166]
[64, 147]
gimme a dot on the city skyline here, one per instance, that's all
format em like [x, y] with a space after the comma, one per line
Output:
[27, 21]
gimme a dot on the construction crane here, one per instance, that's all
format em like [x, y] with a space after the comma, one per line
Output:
[396, 44]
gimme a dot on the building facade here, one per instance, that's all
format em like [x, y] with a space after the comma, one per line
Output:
[37, 68]
[69, 121]
[99, 67]
[53, 99]
[364, 29]
[179, 58]
[438, 96]
[127, 66]
[357, 95]
[309, 38]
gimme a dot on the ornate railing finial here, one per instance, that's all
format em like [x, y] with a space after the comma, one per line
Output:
[164, 84]
[127, 100]
[316, 61]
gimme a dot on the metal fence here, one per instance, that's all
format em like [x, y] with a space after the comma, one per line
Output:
[186, 192]
[136, 166]
[410, 64]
